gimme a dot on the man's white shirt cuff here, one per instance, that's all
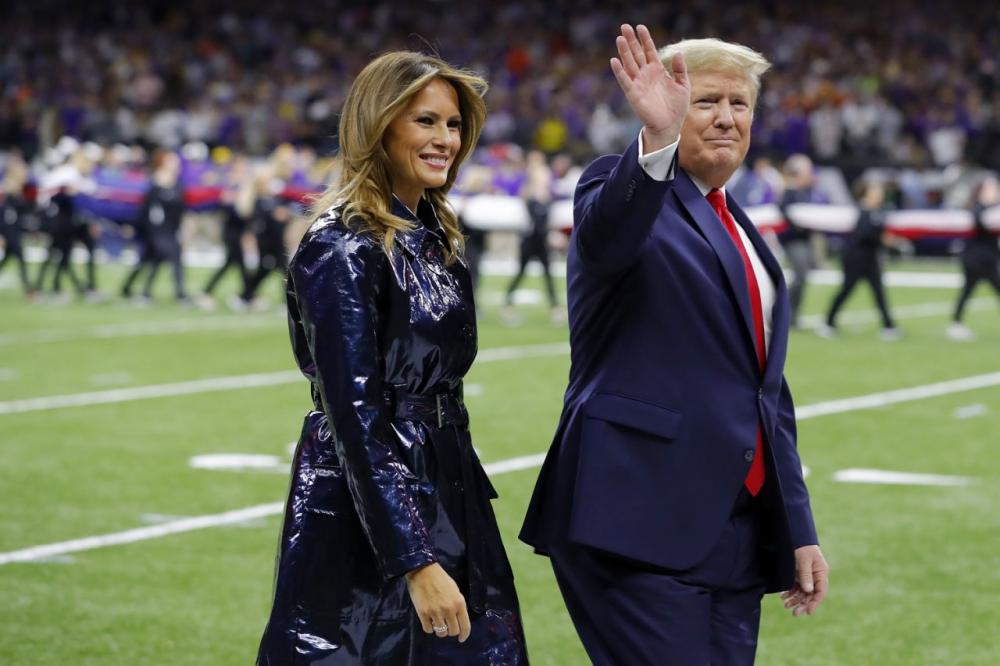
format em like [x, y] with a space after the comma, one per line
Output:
[658, 164]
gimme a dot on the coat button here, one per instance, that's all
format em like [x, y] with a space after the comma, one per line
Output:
[748, 455]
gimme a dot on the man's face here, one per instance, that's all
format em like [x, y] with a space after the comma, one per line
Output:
[716, 132]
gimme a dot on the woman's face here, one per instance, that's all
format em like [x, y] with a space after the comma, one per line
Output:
[423, 140]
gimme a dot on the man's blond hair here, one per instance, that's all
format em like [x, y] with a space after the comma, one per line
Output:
[715, 55]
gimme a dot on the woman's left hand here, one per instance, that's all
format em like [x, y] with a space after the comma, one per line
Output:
[438, 602]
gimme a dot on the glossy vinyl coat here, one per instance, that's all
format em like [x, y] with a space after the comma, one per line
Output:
[372, 495]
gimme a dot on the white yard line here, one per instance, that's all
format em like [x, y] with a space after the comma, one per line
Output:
[144, 328]
[922, 280]
[150, 391]
[886, 477]
[899, 395]
[142, 533]
[494, 468]
[232, 382]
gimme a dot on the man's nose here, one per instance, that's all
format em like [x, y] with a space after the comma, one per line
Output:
[724, 115]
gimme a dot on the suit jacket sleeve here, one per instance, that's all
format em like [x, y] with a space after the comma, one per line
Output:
[337, 278]
[802, 529]
[615, 205]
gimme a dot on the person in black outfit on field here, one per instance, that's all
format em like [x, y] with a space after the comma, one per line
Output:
[13, 209]
[234, 225]
[59, 220]
[233, 228]
[537, 195]
[271, 213]
[159, 223]
[980, 255]
[85, 232]
[860, 259]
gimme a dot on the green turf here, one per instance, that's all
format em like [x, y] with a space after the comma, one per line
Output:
[914, 576]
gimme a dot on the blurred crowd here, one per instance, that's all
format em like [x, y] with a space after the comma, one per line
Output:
[899, 82]
[150, 132]
[153, 209]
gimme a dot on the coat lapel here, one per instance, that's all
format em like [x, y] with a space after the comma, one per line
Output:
[781, 311]
[711, 228]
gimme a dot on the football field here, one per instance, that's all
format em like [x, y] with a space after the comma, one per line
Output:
[145, 458]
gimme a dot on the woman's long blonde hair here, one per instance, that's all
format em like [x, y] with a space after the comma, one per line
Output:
[382, 91]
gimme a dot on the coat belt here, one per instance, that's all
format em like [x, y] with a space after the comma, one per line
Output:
[438, 409]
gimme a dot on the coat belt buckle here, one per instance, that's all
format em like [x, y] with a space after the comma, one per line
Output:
[440, 410]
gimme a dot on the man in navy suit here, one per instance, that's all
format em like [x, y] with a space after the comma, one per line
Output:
[672, 497]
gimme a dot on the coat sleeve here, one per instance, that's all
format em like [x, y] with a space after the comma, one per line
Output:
[615, 205]
[337, 279]
[801, 527]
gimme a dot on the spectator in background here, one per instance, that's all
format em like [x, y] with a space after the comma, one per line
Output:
[797, 241]
[60, 220]
[760, 185]
[159, 225]
[861, 261]
[537, 194]
[13, 210]
[980, 255]
[269, 220]
[237, 205]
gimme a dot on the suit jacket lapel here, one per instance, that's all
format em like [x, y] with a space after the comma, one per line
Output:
[711, 228]
[780, 314]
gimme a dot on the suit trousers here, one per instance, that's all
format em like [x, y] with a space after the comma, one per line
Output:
[629, 613]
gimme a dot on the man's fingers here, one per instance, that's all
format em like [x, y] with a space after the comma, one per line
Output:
[679, 68]
[646, 41]
[624, 82]
[633, 44]
[627, 58]
[805, 578]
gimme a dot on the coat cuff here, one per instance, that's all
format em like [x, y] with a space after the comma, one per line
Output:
[397, 566]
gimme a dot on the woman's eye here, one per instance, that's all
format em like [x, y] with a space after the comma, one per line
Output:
[425, 121]
[455, 124]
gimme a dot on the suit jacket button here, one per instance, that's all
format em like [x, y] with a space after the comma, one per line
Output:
[748, 455]
[630, 190]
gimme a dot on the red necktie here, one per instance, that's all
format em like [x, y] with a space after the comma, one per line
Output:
[755, 477]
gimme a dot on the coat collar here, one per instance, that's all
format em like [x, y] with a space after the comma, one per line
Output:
[426, 228]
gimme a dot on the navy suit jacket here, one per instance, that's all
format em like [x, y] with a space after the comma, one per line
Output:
[660, 418]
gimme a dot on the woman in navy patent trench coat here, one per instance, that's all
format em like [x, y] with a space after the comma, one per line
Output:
[390, 552]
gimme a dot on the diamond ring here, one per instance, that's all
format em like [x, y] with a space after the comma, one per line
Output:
[443, 629]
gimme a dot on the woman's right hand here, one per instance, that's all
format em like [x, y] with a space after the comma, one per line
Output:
[438, 602]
